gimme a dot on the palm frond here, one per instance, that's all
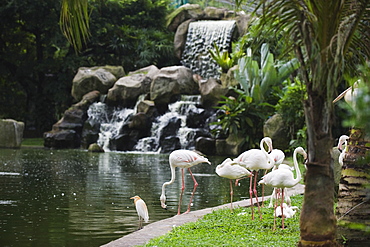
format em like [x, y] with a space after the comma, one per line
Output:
[74, 22]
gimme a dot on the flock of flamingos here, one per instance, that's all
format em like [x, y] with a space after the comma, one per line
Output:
[245, 165]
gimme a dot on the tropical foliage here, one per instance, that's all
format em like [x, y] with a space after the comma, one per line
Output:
[37, 64]
[329, 38]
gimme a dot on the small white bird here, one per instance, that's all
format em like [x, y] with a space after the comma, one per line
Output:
[289, 211]
[141, 210]
[230, 170]
[342, 147]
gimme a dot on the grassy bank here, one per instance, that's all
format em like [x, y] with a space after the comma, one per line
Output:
[33, 142]
[225, 228]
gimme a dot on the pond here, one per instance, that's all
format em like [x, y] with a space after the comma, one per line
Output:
[77, 198]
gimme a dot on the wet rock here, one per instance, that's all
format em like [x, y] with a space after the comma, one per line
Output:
[95, 148]
[275, 128]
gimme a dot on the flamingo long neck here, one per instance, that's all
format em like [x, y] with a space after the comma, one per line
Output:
[263, 148]
[296, 167]
[173, 176]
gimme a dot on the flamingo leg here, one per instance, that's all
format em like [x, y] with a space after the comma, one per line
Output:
[275, 206]
[192, 194]
[251, 196]
[231, 195]
[263, 192]
[255, 193]
[282, 212]
[182, 190]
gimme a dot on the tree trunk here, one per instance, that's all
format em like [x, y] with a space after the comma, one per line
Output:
[353, 210]
[317, 222]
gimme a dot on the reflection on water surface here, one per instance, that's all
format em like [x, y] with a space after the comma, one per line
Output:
[76, 198]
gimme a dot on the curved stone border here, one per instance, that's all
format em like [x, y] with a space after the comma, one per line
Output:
[162, 227]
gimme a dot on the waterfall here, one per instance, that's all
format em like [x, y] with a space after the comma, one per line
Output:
[200, 38]
[178, 112]
[110, 120]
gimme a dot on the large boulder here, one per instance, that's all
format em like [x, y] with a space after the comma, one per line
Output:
[276, 128]
[183, 13]
[95, 78]
[126, 90]
[11, 133]
[180, 38]
[67, 132]
[171, 82]
[211, 91]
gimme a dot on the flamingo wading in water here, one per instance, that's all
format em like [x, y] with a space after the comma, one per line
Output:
[230, 170]
[283, 177]
[254, 160]
[183, 159]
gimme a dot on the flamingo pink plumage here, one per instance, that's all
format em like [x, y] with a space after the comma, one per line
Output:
[182, 159]
[230, 170]
[283, 177]
[254, 160]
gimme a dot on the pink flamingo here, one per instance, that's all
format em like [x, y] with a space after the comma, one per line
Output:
[283, 177]
[182, 159]
[254, 160]
[232, 171]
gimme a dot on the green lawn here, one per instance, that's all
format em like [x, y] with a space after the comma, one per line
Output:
[225, 228]
[33, 142]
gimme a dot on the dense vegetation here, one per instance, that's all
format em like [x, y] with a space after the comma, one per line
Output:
[37, 64]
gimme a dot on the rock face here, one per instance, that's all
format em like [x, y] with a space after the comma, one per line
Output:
[66, 133]
[277, 130]
[95, 78]
[171, 82]
[11, 133]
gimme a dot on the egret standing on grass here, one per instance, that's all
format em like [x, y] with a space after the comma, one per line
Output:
[232, 171]
[141, 210]
[182, 159]
[254, 160]
[283, 177]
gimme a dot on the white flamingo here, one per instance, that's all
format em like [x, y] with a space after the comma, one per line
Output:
[278, 157]
[254, 160]
[230, 170]
[182, 159]
[283, 177]
[289, 211]
[342, 147]
[286, 197]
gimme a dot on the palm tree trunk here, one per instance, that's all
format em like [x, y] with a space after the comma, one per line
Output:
[318, 222]
[353, 199]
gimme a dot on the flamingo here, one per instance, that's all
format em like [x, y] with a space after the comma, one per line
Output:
[254, 160]
[342, 147]
[232, 171]
[273, 195]
[289, 211]
[283, 177]
[278, 157]
[142, 210]
[183, 159]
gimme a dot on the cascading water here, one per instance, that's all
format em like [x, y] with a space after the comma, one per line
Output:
[200, 38]
[178, 113]
[110, 120]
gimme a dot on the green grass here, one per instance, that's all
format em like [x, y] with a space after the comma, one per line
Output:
[225, 228]
[33, 142]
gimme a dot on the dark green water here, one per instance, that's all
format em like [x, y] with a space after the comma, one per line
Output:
[76, 198]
